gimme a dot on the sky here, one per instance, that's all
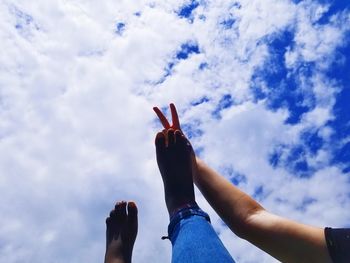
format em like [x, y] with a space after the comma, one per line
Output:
[261, 87]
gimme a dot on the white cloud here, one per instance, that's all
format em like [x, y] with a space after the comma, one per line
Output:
[77, 127]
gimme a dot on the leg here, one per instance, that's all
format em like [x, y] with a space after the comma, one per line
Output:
[175, 165]
[194, 239]
[121, 233]
[191, 234]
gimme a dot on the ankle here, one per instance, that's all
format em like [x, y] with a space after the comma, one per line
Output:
[119, 259]
[115, 260]
[189, 204]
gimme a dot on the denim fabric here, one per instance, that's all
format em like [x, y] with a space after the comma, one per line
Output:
[194, 239]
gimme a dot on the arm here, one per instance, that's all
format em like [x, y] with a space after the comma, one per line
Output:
[286, 240]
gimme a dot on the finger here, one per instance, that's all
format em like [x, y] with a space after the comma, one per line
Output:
[171, 137]
[162, 118]
[175, 117]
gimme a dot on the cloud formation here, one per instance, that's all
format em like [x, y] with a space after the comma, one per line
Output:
[259, 92]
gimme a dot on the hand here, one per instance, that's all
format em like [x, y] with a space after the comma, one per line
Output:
[175, 118]
[176, 126]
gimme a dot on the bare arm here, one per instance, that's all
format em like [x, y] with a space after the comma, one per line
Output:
[286, 240]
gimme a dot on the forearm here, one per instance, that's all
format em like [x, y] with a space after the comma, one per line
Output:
[231, 204]
[286, 240]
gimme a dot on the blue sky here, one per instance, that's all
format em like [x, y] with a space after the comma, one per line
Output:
[262, 90]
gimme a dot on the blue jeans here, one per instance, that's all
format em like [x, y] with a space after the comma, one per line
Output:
[194, 239]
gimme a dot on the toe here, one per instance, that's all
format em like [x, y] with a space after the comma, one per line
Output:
[160, 140]
[178, 137]
[121, 211]
[112, 214]
[181, 141]
[132, 211]
[132, 221]
[171, 137]
[110, 228]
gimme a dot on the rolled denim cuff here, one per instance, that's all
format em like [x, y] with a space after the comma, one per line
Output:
[183, 213]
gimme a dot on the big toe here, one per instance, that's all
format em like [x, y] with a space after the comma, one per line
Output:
[132, 210]
[132, 217]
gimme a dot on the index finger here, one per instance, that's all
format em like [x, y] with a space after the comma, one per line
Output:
[162, 118]
[175, 117]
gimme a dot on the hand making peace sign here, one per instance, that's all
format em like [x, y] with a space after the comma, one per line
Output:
[175, 118]
[174, 127]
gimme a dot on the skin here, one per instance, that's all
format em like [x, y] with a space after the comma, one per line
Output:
[283, 239]
[174, 158]
[175, 165]
[121, 232]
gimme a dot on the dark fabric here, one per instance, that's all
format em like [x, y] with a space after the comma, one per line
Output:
[338, 243]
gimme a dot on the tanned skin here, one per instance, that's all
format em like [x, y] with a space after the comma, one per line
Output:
[284, 239]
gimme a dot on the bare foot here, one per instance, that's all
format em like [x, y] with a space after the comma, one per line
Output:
[174, 157]
[121, 233]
